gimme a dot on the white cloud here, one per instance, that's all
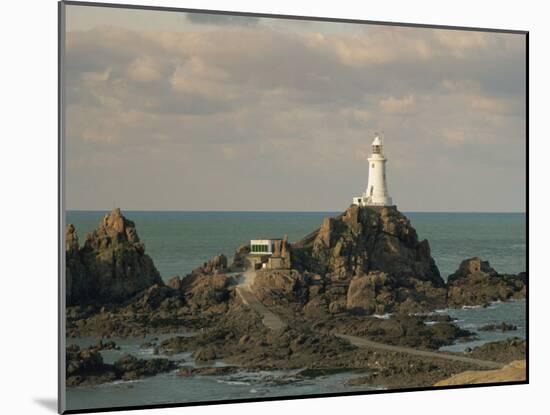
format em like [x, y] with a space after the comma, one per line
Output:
[298, 106]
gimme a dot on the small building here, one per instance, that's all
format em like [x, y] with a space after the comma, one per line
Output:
[262, 246]
[269, 253]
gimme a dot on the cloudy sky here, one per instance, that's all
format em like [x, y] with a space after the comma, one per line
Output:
[177, 111]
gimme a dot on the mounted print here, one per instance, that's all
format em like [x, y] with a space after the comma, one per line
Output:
[258, 207]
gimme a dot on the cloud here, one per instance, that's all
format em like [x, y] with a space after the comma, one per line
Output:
[221, 19]
[145, 69]
[404, 105]
[202, 107]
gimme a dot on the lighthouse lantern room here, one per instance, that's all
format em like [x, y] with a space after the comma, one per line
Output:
[377, 188]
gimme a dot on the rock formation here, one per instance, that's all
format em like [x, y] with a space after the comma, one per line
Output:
[217, 264]
[476, 282]
[369, 260]
[86, 367]
[367, 239]
[111, 266]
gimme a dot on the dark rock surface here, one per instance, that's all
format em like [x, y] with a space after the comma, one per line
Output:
[498, 327]
[399, 329]
[111, 266]
[477, 283]
[367, 239]
[217, 264]
[504, 351]
[367, 260]
[85, 367]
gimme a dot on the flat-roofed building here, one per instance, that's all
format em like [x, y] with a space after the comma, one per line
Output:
[262, 246]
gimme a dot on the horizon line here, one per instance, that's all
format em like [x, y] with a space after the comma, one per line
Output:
[285, 211]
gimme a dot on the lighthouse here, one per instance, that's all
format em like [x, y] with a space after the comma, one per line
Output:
[377, 188]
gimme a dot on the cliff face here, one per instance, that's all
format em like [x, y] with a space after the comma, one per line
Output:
[111, 266]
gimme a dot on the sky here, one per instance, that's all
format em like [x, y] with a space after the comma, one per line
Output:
[186, 111]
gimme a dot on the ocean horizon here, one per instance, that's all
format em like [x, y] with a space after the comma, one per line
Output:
[179, 241]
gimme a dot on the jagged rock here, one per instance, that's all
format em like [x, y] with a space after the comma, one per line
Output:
[203, 292]
[111, 266]
[501, 351]
[367, 239]
[78, 281]
[130, 367]
[239, 259]
[86, 367]
[371, 259]
[276, 287]
[477, 283]
[175, 283]
[217, 264]
[370, 293]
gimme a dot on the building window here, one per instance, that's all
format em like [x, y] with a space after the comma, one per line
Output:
[373, 165]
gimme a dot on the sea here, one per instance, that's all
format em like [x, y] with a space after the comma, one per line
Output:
[178, 242]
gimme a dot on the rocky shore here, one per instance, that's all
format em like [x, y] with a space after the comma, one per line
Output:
[86, 367]
[365, 263]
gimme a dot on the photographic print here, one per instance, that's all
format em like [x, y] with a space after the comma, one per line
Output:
[258, 207]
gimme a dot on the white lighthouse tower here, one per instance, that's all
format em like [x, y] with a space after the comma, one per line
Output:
[377, 188]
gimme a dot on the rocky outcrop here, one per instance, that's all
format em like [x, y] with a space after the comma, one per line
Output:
[512, 372]
[501, 351]
[239, 259]
[111, 266]
[498, 327]
[207, 293]
[78, 280]
[367, 239]
[280, 287]
[218, 264]
[369, 260]
[477, 283]
[86, 367]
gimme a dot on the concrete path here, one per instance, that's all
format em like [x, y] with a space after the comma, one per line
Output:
[269, 319]
[274, 322]
[363, 342]
[244, 291]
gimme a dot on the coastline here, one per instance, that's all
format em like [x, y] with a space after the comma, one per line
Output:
[228, 331]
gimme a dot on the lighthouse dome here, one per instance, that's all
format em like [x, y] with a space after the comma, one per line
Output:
[377, 141]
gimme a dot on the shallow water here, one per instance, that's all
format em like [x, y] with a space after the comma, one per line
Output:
[511, 312]
[171, 388]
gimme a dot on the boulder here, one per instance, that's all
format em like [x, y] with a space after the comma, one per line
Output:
[280, 287]
[174, 283]
[477, 283]
[370, 293]
[130, 367]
